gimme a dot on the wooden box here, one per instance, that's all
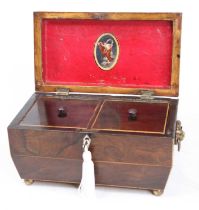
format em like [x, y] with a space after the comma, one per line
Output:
[113, 77]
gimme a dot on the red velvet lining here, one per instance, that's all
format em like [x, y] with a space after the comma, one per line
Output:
[145, 57]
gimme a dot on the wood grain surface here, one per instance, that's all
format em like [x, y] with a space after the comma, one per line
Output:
[141, 160]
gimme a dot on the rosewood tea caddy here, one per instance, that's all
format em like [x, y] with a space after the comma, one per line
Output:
[113, 77]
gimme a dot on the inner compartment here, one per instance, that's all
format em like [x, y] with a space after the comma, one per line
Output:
[97, 114]
[144, 60]
[46, 113]
[114, 116]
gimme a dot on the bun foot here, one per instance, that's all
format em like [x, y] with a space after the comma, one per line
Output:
[28, 181]
[157, 192]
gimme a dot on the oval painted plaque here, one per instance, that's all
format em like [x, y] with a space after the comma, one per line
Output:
[106, 51]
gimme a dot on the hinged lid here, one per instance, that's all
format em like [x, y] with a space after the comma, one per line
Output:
[122, 53]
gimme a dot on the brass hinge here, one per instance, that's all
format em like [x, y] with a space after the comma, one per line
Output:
[62, 91]
[147, 95]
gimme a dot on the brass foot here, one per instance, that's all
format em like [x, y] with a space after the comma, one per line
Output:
[28, 181]
[157, 192]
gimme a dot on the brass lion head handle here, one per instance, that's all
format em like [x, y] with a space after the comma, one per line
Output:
[179, 134]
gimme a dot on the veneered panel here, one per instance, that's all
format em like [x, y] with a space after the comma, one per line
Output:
[45, 113]
[151, 117]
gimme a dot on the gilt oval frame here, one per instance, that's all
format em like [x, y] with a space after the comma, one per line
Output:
[99, 59]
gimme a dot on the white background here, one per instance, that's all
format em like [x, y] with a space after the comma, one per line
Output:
[17, 85]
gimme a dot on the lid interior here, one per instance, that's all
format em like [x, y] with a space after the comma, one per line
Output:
[145, 50]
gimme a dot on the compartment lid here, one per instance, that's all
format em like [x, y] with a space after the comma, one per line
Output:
[122, 53]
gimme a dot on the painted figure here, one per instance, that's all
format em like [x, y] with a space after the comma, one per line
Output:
[106, 51]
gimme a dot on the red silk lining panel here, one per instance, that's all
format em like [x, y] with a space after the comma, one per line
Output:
[145, 53]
